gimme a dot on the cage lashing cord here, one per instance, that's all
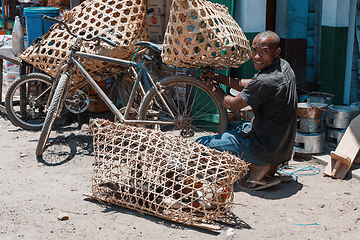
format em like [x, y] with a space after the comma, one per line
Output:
[300, 171]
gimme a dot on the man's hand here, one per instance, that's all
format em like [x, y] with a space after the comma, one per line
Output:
[209, 75]
[210, 81]
[211, 85]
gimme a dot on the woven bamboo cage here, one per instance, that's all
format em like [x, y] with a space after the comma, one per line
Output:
[162, 175]
[121, 21]
[201, 33]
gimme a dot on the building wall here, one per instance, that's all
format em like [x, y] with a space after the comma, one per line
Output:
[310, 51]
[334, 43]
[355, 86]
[251, 16]
[291, 26]
[228, 3]
[351, 75]
[317, 38]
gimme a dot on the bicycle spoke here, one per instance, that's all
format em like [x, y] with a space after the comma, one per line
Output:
[189, 95]
[195, 112]
[25, 100]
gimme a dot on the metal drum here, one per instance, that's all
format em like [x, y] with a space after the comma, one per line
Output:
[312, 110]
[342, 118]
[309, 125]
[303, 98]
[334, 136]
[320, 97]
[356, 104]
[310, 143]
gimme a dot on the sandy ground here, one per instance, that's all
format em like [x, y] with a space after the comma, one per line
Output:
[35, 191]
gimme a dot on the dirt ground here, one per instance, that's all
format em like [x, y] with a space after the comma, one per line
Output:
[34, 192]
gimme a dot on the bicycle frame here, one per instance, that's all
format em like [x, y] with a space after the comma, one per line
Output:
[165, 102]
[142, 68]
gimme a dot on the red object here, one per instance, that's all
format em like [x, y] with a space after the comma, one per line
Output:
[225, 191]
[154, 20]
[196, 204]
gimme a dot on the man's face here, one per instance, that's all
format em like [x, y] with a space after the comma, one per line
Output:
[263, 52]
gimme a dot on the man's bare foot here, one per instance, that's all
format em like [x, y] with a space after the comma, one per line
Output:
[257, 173]
[274, 174]
[273, 170]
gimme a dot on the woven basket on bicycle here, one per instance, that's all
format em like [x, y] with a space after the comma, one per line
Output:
[201, 33]
[158, 174]
[121, 21]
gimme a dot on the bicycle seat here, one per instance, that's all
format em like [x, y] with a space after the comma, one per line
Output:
[155, 46]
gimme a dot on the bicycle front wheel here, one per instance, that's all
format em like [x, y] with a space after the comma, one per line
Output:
[52, 113]
[26, 100]
[182, 106]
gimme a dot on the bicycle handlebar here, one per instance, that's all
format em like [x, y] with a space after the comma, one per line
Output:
[111, 43]
[51, 19]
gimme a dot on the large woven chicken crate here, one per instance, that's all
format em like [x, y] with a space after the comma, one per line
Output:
[158, 174]
[121, 21]
[201, 33]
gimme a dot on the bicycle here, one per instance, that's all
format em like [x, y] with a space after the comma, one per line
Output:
[179, 103]
[27, 97]
[26, 100]
[121, 89]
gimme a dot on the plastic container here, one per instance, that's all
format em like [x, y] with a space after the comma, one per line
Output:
[9, 77]
[35, 25]
[6, 41]
[10, 67]
[17, 37]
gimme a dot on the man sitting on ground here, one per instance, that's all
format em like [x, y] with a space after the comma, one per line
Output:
[268, 140]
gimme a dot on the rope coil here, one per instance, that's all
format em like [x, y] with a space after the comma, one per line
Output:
[299, 171]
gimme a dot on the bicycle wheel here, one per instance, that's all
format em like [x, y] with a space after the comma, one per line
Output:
[52, 113]
[185, 108]
[26, 99]
[121, 90]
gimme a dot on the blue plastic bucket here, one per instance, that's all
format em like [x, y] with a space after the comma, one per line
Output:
[35, 25]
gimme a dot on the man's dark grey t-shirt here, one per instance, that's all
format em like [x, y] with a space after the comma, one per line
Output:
[272, 95]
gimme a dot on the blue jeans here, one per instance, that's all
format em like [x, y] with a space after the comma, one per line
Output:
[233, 141]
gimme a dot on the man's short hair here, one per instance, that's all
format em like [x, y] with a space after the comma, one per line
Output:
[273, 35]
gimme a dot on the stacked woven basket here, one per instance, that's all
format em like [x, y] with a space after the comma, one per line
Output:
[123, 22]
[200, 34]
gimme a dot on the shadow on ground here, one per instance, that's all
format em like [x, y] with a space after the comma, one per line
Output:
[69, 141]
[237, 223]
[279, 191]
[63, 148]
